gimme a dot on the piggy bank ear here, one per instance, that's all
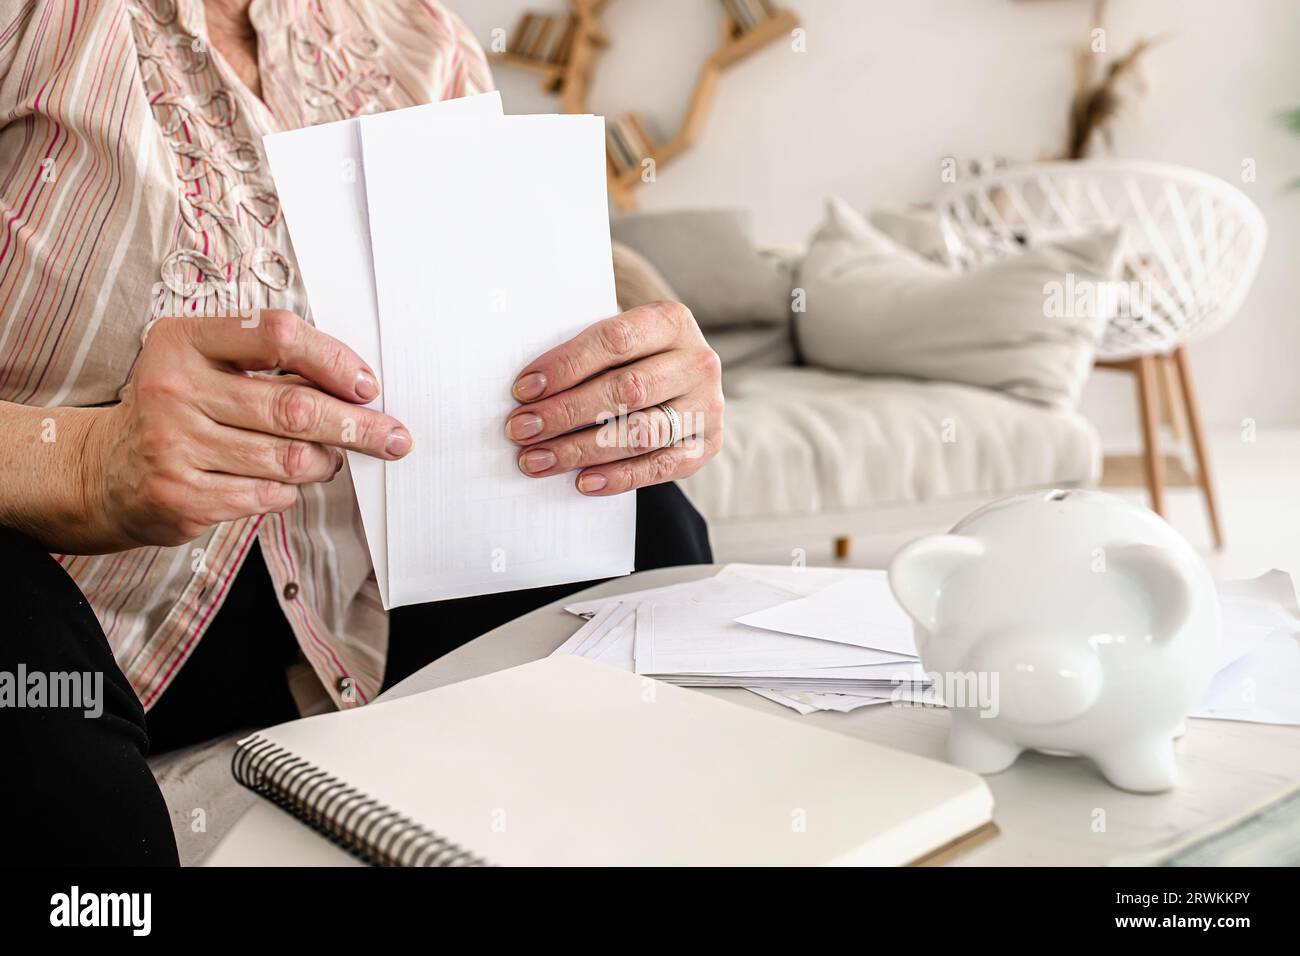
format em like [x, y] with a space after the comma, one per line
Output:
[918, 572]
[1165, 583]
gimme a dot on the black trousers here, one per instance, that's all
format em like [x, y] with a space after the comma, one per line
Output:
[76, 788]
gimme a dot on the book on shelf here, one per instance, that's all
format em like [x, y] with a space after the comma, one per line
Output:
[547, 38]
[627, 142]
[528, 35]
[747, 14]
[515, 46]
[563, 45]
[537, 48]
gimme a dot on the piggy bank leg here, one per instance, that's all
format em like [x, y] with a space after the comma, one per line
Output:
[975, 748]
[1145, 765]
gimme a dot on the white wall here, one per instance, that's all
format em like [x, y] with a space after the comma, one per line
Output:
[888, 87]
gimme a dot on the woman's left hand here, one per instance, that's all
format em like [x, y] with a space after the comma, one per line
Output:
[591, 404]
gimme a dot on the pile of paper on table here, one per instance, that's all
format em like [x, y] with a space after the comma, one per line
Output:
[809, 638]
[835, 639]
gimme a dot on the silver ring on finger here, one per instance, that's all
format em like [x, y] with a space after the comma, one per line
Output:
[674, 424]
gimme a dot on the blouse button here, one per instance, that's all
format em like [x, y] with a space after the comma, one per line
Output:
[290, 590]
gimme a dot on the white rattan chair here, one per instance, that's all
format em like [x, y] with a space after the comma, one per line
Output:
[1192, 246]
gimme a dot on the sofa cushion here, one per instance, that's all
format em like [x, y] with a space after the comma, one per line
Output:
[708, 257]
[758, 346]
[636, 281]
[803, 441]
[738, 346]
[877, 308]
[916, 228]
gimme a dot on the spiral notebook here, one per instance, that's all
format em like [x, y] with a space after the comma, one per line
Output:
[569, 762]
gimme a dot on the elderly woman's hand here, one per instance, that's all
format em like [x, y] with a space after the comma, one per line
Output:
[196, 440]
[592, 404]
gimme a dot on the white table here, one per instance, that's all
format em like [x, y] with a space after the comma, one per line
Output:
[1050, 810]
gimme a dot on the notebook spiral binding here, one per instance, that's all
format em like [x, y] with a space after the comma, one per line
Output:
[366, 828]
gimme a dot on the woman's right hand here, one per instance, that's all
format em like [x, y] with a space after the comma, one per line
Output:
[199, 438]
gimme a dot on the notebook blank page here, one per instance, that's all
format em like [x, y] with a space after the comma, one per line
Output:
[568, 762]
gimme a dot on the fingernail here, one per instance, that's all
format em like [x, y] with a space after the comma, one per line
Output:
[590, 483]
[338, 462]
[523, 426]
[399, 442]
[531, 462]
[530, 386]
[366, 386]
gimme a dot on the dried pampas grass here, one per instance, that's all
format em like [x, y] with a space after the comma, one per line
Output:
[1100, 90]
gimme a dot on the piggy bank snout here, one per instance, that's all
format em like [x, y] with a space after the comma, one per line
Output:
[1039, 679]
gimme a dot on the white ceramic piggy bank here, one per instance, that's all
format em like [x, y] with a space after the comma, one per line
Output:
[1068, 622]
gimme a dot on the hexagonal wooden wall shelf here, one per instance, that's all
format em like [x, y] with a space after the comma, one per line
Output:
[562, 48]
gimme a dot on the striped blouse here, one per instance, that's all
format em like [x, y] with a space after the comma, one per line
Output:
[133, 183]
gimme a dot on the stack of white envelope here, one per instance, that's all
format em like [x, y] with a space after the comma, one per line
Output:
[782, 632]
[449, 246]
[835, 639]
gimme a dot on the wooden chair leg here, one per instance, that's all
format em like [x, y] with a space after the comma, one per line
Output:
[1171, 403]
[1149, 407]
[1193, 414]
[842, 547]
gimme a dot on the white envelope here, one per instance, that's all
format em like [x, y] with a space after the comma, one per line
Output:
[490, 241]
[319, 176]
[858, 610]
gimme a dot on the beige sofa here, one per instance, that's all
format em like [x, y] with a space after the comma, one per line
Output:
[810, 452]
